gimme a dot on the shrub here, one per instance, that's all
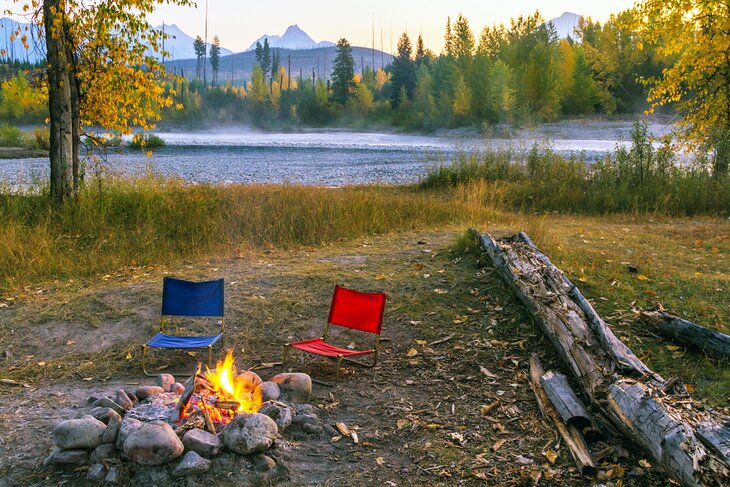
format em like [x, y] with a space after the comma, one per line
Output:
[11, 136]
[146, 141]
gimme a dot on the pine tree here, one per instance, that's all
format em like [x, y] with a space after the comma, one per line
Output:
[448, 39]
[462, 43]
[259, 53]
[343, 72]
[266, 58]
[275, 62]
[420, 51]
[199, 48]
[215, 58]
[404, 71]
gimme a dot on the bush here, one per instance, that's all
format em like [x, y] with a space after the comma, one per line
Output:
[146, 141]
[11, 136]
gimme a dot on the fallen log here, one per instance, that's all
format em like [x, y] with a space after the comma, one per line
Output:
[614, 380]
[570, 408]
[570, 433]
[688, 333]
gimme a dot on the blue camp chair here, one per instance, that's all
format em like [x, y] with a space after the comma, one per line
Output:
[185, 298]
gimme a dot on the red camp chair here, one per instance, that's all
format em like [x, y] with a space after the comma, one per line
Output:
[349, 309]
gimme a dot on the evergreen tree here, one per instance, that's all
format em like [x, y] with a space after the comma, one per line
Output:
[259, 53]
[266, 58]
[342, 73]
[403, 71]
[448, 39]
[199, 48]
[462, 43]
[275, 63]
[257, 89]
[215, 58]
[420, 51]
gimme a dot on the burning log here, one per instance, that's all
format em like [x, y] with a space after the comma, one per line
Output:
[688, 333]
[569, 432]
[635, 402]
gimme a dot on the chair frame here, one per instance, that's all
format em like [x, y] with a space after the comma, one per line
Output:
[145, 347]
[340, 358]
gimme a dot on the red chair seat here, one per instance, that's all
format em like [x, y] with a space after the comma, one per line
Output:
[320, 347]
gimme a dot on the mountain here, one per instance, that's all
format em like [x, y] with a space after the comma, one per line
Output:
[15, 49]
[294, 38]
[180, 45]
[565, 24]
[237, 68]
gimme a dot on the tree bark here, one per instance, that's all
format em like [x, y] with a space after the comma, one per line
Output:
[636, 405]
[59, 100]
[75, 93]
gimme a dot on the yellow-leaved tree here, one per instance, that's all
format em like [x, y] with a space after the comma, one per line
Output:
[103, 71]
[694, 35]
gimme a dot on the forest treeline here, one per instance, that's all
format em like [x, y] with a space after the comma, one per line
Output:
[519, 73]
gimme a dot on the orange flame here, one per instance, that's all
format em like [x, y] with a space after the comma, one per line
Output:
[230, 386]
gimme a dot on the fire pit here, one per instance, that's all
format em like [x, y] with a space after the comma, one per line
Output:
[223, 410]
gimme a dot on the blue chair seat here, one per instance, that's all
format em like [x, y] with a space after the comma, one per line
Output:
[180, 342]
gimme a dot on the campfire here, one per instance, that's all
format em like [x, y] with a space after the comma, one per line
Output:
[216, 396]
[220, 412]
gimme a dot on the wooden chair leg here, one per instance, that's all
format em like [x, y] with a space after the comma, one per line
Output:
[144, 356]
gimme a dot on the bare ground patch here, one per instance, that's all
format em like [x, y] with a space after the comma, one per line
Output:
[428, 414]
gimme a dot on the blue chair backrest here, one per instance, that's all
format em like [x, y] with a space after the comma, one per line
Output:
[185, 298]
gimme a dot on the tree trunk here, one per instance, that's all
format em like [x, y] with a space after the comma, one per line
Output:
[75, 91]
[675, 435]
[721, 161]
[59, 101]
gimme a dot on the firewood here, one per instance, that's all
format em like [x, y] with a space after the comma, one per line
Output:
[614, 380]
[570, 433]
[570, 408]
[688, 333]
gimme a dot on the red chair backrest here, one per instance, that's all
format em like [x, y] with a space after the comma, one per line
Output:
[356, 310]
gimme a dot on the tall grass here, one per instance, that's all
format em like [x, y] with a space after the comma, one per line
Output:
[154, 220]
[640, 179]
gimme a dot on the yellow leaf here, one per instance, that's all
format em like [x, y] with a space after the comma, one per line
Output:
[401, 423]
[380, 277]
[642, 277]
[690, 388]
[672, 348]
[644, 464]
[129, 355]
[192, 354]
[412, 353]
[421, 342]
[551, 456]
[380, 461]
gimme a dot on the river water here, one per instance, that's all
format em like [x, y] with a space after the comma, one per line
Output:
[331, 158]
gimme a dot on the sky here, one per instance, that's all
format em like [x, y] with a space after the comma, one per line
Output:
[239, 23]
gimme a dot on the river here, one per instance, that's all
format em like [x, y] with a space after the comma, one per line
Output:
[331, 158]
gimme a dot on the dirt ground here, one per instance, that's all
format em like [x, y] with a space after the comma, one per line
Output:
[448, 404]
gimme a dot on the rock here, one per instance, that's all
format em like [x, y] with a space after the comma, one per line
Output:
[302, 419]
[249, 433]
[263, 463]
[330, 430]
[266, 391]
[305, 409]
[279, 412]
[201, 442]
[312, 429]
[190, 464]
[91, 400]
[105, 402]
[153, 443]
[68, 458]
[112, 476]
[129, 425]
[250, 380]
[72, 434]
[131, 395]
[143, 392]
[165, 381]
[96, 472]
[124, 400]
[103, 414]
[177, 388]
[112, 429]
[105, 451]
[295, 387]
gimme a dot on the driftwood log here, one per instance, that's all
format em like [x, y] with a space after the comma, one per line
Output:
[571, 435]
[688, 333]
[614, 380]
